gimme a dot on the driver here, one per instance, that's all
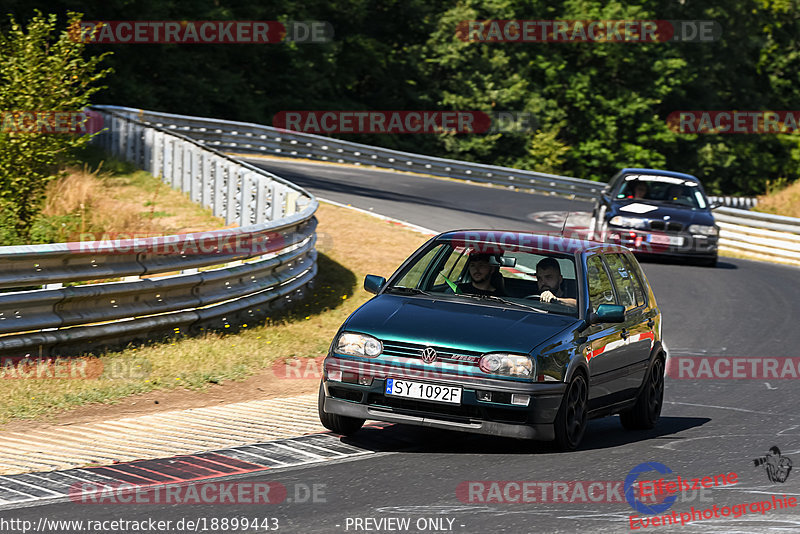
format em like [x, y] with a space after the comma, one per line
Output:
[551, 283]
[485, 277]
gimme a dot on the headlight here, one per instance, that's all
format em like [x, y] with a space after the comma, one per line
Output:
[703, 230]
[627, 222]
[358, 345]
[499, 363]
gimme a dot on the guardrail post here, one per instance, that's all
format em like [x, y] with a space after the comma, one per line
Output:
[219, 187]
[129, 142]
[206, 189]
[196, 178]
[230, 197]
[148, 156]
[177, 163]
[262, 190]
[278, 197]
[166, 176]
[186, 167]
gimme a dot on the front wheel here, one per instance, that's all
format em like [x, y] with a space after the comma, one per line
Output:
[339, 424]
[645, 413]
[571, 419]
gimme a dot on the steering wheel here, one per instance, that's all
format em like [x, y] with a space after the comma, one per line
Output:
[535, 296]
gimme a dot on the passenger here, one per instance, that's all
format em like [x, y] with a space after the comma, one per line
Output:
[484, 272]
[551, 284]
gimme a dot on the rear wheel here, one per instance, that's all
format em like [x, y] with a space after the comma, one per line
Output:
[647, 410]
[339, 424]
[571, 419]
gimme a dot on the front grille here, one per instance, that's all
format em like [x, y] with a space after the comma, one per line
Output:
[458, 413]
[666, 226]
[455, 412]
[443, 354]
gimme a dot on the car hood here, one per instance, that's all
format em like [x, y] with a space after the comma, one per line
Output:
[683, 215]
[468, 325]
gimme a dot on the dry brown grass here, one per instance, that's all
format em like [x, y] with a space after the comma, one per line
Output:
[114, 205]
[786, 201]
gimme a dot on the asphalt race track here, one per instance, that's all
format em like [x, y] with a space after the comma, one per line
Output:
[708, 427]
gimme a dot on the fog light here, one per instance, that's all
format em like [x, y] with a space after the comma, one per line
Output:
[485, 396]
[519, 399]
[365, 380]
[336, 376]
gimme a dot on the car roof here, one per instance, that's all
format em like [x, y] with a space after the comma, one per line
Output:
[659, 172]
[512, 240]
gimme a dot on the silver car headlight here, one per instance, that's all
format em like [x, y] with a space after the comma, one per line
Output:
[627, 222]
[703, 229]
[352, 344]
[500, 363]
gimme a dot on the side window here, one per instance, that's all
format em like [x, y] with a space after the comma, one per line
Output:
[413, 277]
[623, 280]
[453, 267]
[638, 286]
[600, 291]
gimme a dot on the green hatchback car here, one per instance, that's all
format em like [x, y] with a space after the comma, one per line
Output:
[501, 333]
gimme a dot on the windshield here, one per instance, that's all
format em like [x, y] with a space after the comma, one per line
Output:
[525, 279]
[663, 189]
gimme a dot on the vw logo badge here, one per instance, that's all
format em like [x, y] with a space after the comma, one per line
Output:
[428, 355]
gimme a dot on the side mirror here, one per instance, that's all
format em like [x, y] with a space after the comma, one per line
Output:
[715, 204]
[608, 313]
[374, 283]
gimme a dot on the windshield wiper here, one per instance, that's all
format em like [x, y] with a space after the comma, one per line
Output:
[503, 300]
[408, 290]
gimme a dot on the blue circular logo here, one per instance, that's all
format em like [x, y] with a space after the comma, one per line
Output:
[630, 496]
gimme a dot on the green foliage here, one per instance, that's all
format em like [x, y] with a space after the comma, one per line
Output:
[599, 106]
[40, 72]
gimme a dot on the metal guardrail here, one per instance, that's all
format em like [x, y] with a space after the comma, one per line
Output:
[265, 140]
[735, 202]
[252, 138]
[202, 280]
[760, 235]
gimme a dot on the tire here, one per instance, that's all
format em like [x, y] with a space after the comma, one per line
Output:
[571, 419]
[339, 424]
[645, 413]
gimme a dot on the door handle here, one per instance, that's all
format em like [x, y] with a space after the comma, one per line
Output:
[650, 323]
[624, 334]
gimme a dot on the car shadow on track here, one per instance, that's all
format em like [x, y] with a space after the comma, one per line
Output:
[601, 434]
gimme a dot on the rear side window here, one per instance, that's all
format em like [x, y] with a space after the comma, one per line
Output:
[600, 291]
[623, 280]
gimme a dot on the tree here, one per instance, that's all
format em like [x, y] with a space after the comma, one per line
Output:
[45, 77]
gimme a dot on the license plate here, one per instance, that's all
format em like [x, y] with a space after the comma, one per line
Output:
[673, 240]
[423, 391]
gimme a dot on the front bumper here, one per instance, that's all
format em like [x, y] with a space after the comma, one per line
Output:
[671, 244]
[534, 421]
